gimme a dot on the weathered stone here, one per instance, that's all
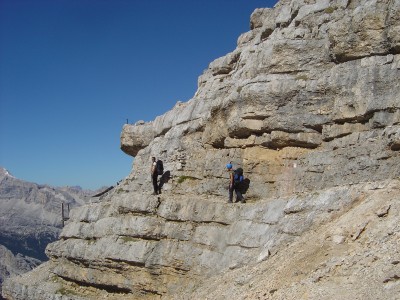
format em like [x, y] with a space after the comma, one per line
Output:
[331, 132]
[307, 104]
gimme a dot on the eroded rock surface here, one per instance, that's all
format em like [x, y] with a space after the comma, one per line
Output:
[307, 104]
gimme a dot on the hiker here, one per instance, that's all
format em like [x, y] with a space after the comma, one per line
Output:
[154, 175]
[235, 178]
[157, 168]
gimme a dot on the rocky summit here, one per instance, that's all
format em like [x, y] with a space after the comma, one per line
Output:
[308, 105]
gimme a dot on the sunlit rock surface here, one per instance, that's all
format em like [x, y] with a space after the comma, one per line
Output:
[307, 104]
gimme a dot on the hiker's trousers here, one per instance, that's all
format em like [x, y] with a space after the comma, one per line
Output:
[154, 179]
[239, 196]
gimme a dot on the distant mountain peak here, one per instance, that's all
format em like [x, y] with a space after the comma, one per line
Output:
[4, 172]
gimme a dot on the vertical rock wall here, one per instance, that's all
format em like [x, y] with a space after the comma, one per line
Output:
[307, 104]
[308, 100]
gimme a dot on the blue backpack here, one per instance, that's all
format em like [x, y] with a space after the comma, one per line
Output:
[238, 176]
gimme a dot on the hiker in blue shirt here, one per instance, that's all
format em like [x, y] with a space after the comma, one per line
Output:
[235, 179]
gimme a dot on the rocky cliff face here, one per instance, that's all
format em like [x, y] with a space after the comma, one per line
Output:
[309, 82]
[30, 214]
[11, 264]
[308, 106]
[30, 218]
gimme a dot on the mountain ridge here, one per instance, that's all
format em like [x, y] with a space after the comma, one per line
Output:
[307, 104]
[30, 218]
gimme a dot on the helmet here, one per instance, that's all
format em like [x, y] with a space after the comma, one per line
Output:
[229, 166]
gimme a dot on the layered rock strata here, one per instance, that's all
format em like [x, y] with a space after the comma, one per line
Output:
[307, 104]
[30, 218]
[316, 79]
[30, 213]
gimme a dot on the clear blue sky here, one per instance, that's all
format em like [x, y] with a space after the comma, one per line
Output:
[73, 71]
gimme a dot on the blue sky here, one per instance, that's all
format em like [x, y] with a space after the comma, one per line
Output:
[73, 71]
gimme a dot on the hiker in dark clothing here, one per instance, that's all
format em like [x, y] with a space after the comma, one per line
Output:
[154, 175]
[234, 185]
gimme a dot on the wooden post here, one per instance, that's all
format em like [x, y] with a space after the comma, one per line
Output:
[62, 213]
[64, 216]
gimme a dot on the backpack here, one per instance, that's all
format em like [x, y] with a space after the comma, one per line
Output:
[160, 167]
[238, 176]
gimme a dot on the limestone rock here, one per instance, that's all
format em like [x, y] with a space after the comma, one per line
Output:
[11, 265]
[307, 104]
[30, 214]
[30, 218]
